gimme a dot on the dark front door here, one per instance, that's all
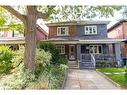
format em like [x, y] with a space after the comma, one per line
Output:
[71, 52]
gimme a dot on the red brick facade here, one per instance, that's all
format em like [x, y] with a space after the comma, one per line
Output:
[119, 31]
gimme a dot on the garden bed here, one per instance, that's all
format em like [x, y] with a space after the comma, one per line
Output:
[117, 75]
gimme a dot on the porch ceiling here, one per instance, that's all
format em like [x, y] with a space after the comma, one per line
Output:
[12, 40]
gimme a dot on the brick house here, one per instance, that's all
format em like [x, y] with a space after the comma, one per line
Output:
[119, 31]
[14, 38]
[84, 42]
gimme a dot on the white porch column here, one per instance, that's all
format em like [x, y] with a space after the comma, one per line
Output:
[117, 52]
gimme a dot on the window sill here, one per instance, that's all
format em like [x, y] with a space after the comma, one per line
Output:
[90, 34]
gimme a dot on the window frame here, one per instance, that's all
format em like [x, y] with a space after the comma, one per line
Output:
[87, 32]
[61, 49]
[66, 31]
[97, 49]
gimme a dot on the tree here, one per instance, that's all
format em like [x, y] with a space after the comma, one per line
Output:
[53, 13]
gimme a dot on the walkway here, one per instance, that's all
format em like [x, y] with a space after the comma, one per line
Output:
[87, 79]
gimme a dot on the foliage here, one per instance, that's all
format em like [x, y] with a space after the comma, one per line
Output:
[119, 77]
[50, 47]
[62, 60]
[105, 64]
[5, 68]
[46, 75]
[19, 79]
[18, 57]
[6, 55]
[42, 57]
[78, 12]
[51, 76]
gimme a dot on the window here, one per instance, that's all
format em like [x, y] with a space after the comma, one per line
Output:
[90, 30]
[61, 49]
[95, 49]
[62, 31]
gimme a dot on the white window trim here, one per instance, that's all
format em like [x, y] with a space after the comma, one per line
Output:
[92, 30]
[66, 32]
[63, 52]
[98, 49]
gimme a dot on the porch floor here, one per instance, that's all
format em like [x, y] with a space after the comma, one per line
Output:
[87, 79]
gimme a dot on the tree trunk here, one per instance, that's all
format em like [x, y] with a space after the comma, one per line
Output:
[30, 41]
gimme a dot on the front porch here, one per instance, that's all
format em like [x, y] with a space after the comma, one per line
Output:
[87, 52]
[89, 55]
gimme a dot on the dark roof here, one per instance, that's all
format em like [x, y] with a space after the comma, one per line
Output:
[117, 24]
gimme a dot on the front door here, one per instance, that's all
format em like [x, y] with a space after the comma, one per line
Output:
[71, 52]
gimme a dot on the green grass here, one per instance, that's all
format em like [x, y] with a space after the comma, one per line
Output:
[121, 79]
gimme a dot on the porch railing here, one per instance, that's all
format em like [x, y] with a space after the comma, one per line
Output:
[97, 57]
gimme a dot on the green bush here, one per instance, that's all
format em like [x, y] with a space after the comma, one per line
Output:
[46, 75]
[62, 60]
[47, 46]
[52, 76]
[6, 56]
[18, 57]
[20, 79]
[42, 57]
[106, 64]
[5, 68]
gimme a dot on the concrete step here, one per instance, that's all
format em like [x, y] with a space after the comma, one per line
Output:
[87, 65]
[72, 64]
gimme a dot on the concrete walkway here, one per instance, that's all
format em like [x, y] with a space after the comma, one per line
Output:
[87, 79]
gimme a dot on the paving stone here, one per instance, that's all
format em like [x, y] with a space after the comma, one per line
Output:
[87, 79]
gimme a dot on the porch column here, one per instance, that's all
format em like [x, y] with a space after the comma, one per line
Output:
[117, 52]
[78, 51]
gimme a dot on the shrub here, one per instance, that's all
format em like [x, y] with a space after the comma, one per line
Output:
[18, 57]
[42, 57]
[5, 68]
[46, 75]
[62, 60]
[6, 56]
[47, 46]
[106, 64]
[19, 79]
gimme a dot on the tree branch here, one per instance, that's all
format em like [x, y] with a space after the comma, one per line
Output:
[15, 13]
[41, 15]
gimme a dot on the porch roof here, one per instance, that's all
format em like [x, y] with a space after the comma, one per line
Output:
[13, 40]
[85, 41]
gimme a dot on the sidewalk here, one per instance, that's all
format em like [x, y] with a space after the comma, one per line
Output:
[87, 79]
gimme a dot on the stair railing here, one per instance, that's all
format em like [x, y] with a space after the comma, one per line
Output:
[93, 60]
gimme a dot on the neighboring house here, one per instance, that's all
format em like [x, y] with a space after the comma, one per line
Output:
[15, 38]
[41, 34]
[84, 42]
[119, 31]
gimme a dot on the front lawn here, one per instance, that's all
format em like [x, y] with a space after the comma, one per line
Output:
[115, 74]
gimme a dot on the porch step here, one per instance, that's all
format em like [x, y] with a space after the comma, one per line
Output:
[87, 65]
[73, 64]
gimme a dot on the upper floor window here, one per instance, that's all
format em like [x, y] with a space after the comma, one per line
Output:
[90, 30]
[62, 31]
